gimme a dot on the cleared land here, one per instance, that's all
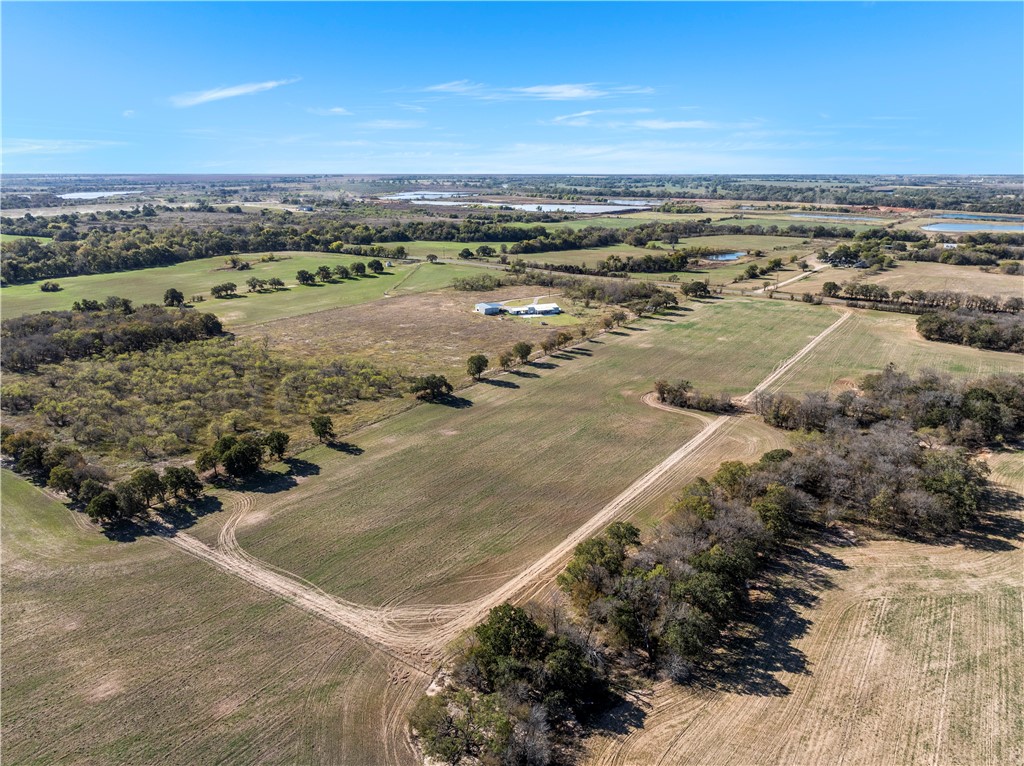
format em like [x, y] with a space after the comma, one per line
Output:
[426, 332]
[221, 672]
[911, 275]
[197, 277]
[878, 652]
[439, 473]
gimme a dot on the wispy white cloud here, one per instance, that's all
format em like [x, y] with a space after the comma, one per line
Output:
[675, 124]
[128, 113]
[412, 107]
[554, 92]
[582, 119]
[12, 146]
[334, 111]
[392, 124]
[216, 94]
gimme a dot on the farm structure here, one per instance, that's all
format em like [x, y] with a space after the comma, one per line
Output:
[533, 309]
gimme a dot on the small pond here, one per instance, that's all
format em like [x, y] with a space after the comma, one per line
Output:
[724, 256]
[96, 194]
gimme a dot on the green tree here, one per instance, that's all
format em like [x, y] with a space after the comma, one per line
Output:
[375, 266]
[63, 479]
[174, 298]
[505, 359]
[304, 277]
[522, 350]
[831, 289]
[182, 482]
[277, 442]
[431, 387]
[207, 460]
[130, 500]
[323, 428]
[148, 483]
[341, 271]
[476, 365]
[243, 459]
[431, 258]
[323, 273]
[103, 507]
[359, 269]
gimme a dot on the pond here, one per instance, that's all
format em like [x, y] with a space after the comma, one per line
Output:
[972, 217]
[725, 256]
[967, 227]
[96, 194]
[824, 217]
[419, 195]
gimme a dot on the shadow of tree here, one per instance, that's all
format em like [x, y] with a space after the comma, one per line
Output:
[759, 645]
[347, 447]
[499, 382]
[166, 520]
[523, 374]
[452, 400]
[543, 365]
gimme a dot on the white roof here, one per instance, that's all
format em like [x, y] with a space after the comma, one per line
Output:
[545, 306]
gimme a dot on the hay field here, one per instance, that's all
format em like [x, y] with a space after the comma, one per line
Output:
[526, 459]
[911, 275]
[197, 277]
[873, 339]
[865, 653]
[137, 653]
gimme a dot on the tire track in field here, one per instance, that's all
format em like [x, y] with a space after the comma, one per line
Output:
[397, 631]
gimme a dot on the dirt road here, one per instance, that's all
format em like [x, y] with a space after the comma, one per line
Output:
[418, 635]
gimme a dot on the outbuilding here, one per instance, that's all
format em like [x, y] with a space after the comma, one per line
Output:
[488, 309]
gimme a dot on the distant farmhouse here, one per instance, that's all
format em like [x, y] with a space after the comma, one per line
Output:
[534, 309]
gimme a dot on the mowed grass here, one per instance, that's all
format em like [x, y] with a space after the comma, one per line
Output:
[910, 275]
[15, 237]
[446, 502]
[136, 653]
[870, 340]
[197, 277]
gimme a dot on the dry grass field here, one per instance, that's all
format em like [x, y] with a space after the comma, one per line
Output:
[868, 652]
[420, 333]
[135, 653]
[909, 275]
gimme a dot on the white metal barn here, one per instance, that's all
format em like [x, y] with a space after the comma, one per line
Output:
[487, 308]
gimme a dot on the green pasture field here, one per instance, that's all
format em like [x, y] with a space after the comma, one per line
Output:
[134, 652]
[15, 237]
[873, 339]
[914, 275]
[197, 277]
[525, 459]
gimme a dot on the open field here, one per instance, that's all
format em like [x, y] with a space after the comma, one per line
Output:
[911, 275]
[878, 652]
[449, 250]
[427, 332]
[873, 339]
[432, 473]
[197, 277]
[221, 672]
[15, 237]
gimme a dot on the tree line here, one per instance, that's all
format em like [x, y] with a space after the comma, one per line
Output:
[111, 327]
[972, 328]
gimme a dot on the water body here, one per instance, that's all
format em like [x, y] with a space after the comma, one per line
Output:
[96, 195]
[825, 217]
[725, 257]
[420, 195]
[972, 217]
[968, 227]
[543, 208]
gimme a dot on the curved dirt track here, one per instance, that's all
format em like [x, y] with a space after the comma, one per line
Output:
[416, 637]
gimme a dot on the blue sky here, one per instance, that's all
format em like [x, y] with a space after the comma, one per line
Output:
[516, 88]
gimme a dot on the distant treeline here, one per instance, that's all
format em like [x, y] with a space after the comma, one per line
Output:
[920, 301]
[71, 253]
[53, 336]
[970, 328]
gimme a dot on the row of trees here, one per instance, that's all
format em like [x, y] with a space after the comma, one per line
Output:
[923, 300]
[340, 271]
[682, 394]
